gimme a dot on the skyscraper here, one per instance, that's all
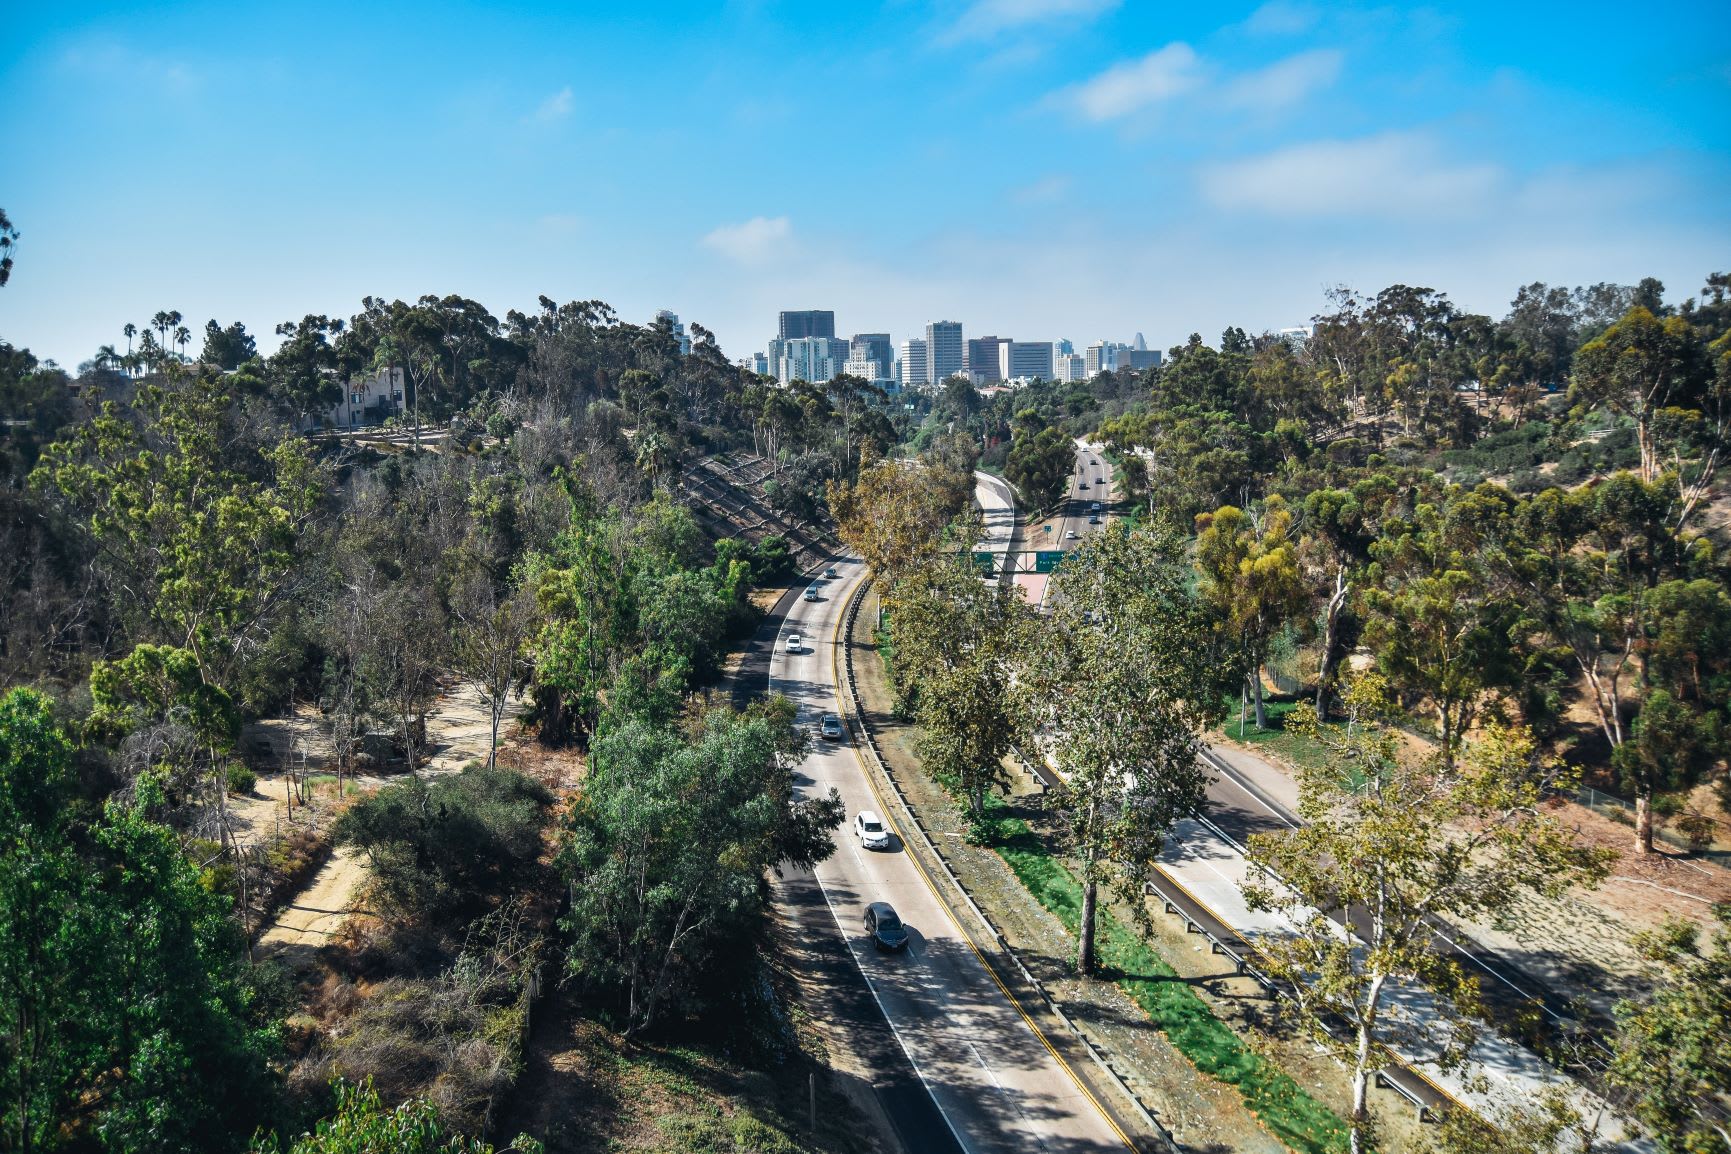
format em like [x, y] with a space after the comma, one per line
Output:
[1069, 367]
[809, 323]
[808, 359]
[1025, 360]
[916, 368]
[873, 347]
[946, 356]
[983, 357]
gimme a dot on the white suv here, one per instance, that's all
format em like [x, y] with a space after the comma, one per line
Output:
[871, 830]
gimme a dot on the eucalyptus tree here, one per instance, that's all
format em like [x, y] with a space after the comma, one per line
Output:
[1392, 844]
[1116, 688]
[1648, 370]
[8, 241]
[957, 641]
[1442, 628]
[1639, 606]
[1248, 563]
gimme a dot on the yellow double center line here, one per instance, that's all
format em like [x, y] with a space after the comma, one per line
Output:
[843, 707]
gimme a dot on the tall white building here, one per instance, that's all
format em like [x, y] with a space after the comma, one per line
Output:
[916, 370]
[946, 354]
[1097, 358]
[808, 359]
[1069, 367]
[1025, 360]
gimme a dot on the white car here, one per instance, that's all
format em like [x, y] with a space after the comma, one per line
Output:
[1069, 534]
[793, 643]
[871, 830]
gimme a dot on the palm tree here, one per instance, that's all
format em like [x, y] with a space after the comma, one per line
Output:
[131, 330]
[181, 337]
[106, 357]
[161, 324]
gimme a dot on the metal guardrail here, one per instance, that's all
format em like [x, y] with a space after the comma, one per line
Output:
[855, 720]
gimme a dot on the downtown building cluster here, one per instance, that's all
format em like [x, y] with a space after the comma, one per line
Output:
[806, 348]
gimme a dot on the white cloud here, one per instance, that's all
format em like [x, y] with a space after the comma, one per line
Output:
[751, 242]
[984, 19]
[1391, 175]
[1285, 82]
[1280, 18]
[556, 107]
[1136, 84]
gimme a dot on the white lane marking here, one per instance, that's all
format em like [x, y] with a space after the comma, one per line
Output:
[882, 1009]
[1011, 1097]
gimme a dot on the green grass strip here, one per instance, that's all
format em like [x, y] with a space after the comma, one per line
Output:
[1289, 1113]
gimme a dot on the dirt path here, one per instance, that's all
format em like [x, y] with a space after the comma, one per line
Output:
[311, 919]
[459, 728]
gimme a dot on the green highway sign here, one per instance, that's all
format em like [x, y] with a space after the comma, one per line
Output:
[983, 562]
[1047, 560]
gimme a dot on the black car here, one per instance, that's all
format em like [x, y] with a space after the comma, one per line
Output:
[885, 927]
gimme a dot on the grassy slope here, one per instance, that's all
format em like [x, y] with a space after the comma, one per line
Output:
[1290, 1114]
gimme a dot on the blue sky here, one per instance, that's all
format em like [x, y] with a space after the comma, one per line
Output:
[1033, 168]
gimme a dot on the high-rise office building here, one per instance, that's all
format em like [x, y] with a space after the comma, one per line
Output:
[1097, 358]
[873, 347]
[916, 367]
[808, 359]
[1025, 360]
[1137, 358]
[946, 353]
[757, 363]
[672, 320]
[808, 323]
[1069, 367]
[983, 359]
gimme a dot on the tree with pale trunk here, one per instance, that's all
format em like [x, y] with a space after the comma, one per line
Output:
[1607, 574]
[1390, 845]
[1116, 688]
[491, 644]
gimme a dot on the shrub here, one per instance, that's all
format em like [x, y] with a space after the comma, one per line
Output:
[241, 778]
[444, 847]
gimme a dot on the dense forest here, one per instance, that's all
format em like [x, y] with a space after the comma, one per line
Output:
[1460, 525]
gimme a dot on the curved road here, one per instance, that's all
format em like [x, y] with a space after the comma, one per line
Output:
[995, 1083]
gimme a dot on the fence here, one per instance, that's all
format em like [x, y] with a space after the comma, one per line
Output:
[1718, 849]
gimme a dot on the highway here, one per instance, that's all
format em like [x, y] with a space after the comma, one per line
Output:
[1070, 516]
[994, 1082]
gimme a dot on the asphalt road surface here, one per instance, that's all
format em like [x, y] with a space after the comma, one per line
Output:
[995, 1084]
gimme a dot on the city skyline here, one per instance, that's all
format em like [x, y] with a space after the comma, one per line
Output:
[1076, 166]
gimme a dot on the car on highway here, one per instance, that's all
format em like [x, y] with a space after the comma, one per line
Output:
[1093, 506]
[870, 830]
[793, 642]
[829, 571]
[1083, 485]
[885, 928]
[1094, 520]
[811, 592]
[830, 727]
[1069, 534]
